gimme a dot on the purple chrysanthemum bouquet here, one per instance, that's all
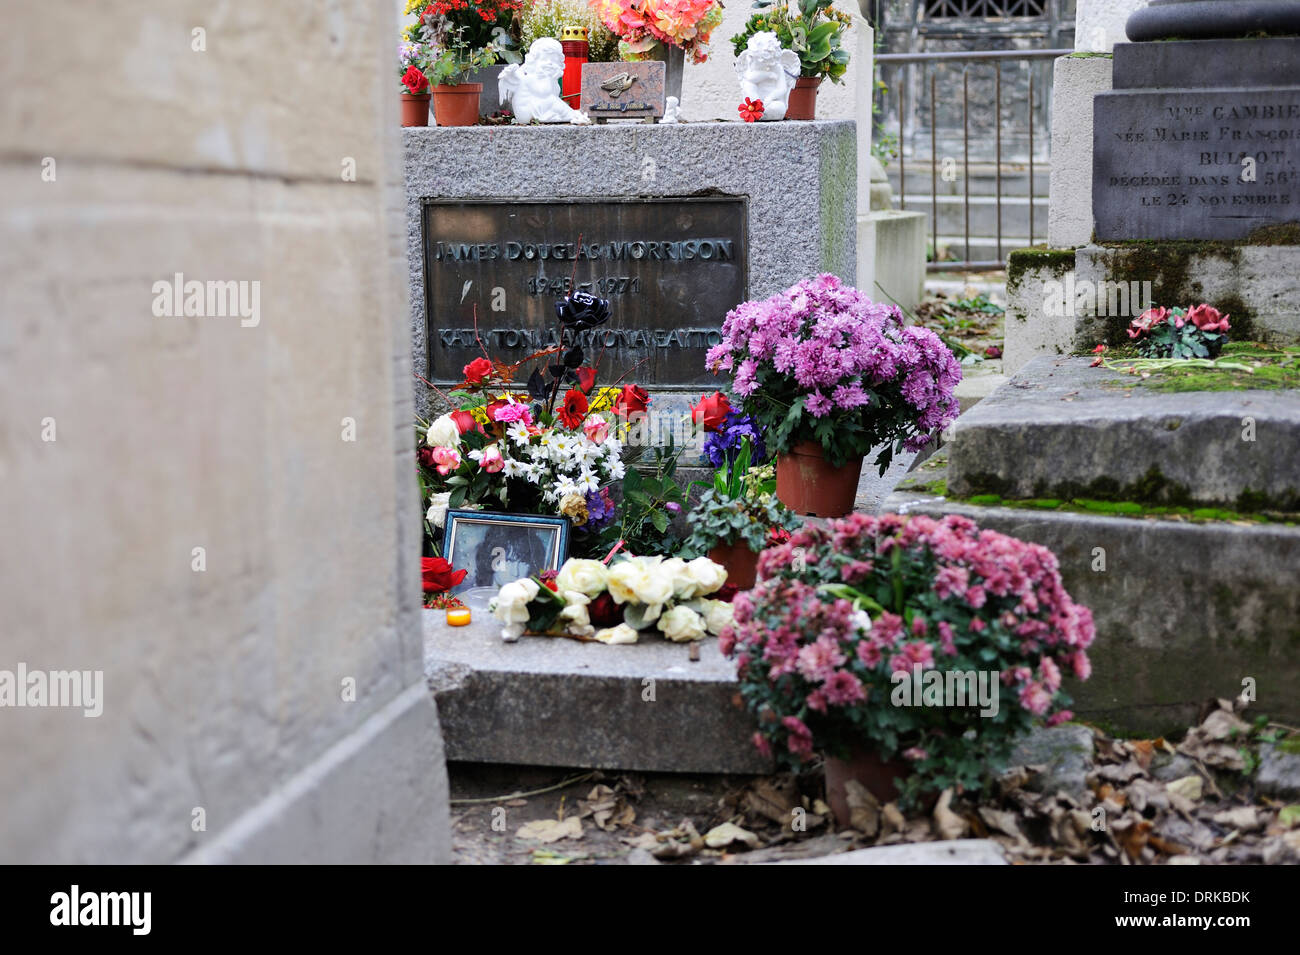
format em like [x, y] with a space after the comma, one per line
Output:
[821, 362]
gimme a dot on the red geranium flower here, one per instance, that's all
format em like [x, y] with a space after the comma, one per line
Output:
[438, 575]
[415, 81]
[586, 378]
[711, 411]
[574, 410]
[477, 370]
[632, 400]
[1099, 351]
[751, 109]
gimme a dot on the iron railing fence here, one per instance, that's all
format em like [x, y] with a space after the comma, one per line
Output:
[1035, 102]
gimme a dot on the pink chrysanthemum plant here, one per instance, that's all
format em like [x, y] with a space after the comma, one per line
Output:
[929, 641]
[821, 362]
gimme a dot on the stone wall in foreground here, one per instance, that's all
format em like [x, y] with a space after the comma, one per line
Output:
[217, 156]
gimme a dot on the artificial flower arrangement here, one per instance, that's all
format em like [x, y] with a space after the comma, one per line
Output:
[1197, 332]
[587, 600]
[542, 18]
[820, 362]
[451, 38]
[843, 615]
[645, 26]
[813, 29]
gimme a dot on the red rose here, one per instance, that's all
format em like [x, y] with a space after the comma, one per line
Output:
[438, 575]
[478, 369]
[574, 410]
[465, 421]
[726, 593]
[586, 378]
[632, 400]
[425, 457]
[711, 411]
[604, 612]
[494, 407]
[415, 81]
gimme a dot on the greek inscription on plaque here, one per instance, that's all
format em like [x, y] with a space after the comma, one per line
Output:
[671, 269]
[1195, 164]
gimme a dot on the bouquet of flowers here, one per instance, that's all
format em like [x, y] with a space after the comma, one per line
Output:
[1197, 332]
[644, 25]
[452, 37]
[821, 362]
[589, 601]
[847, 617]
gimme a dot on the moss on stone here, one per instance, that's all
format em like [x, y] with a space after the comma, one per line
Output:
[1088, 54]
[938, 486]
[1290, 745]
[1037, 258]
[1138, 509]
[1273, 368]
[1281, 233]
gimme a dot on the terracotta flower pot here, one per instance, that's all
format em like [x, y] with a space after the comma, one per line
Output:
[866, 767]
[415, 109]
[803, 98]
[808, 485]
[456, 105]
[740, 561]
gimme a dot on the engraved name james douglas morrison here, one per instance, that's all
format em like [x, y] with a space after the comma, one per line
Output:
[686, 250]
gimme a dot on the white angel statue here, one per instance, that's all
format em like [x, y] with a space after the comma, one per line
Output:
[533, 89]
[768, 73]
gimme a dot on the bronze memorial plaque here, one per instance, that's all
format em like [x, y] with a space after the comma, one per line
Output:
[670, 268]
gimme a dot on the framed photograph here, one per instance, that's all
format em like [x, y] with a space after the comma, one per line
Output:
[498, 548]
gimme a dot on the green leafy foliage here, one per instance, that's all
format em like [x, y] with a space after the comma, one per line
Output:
[815, 34]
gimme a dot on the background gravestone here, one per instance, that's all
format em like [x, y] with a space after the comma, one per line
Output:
[1210, 152]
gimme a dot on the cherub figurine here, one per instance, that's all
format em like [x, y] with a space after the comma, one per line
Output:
[767, 73]
[672, 111]
[533, 89]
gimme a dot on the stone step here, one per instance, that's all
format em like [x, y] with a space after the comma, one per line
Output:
[550, 701]
[1062, 429]
[1185, 610]
[983, 216]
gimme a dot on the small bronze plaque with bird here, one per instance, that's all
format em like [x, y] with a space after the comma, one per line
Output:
[623, 90]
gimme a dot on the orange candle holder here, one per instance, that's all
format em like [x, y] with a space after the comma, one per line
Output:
[458, 616]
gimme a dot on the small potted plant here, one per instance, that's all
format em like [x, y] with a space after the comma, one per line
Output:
[462, 36]
[911, 652]
[814, 30]
[827, 375]
[738, 514]
[412, 61]
[667, 30]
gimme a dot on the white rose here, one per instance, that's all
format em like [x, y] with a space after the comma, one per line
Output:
[443, 433]
[438, 505]
[708, 576]
[512, 632]
[585, 576]
[640, 581]
[574, 615]
[620, 634]
[717, 615]
[684, 585]
[511, 604]
[681, 624]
